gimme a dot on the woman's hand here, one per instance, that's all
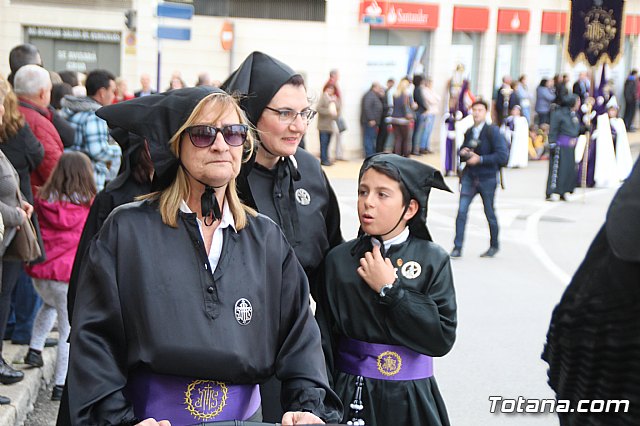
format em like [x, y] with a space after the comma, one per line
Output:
[28, 208]
[23, 215]
[300, 418]
[154, 422]
[375, 270]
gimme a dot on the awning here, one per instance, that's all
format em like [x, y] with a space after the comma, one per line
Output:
[554, 22]
[470, 19]
[513, 21]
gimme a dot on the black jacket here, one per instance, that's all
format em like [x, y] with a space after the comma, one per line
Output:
[147, 298]
[25, 152]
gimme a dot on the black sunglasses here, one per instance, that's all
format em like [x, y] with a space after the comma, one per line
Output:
[203, 136]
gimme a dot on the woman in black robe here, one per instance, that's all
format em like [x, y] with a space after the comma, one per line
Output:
[563, 133]
[187, 300]
[282, 180]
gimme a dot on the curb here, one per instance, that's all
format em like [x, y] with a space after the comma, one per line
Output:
[24, 393]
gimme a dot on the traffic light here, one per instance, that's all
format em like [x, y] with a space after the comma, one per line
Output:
[130, 19]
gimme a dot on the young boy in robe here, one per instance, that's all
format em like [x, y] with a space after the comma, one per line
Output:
[388, 304]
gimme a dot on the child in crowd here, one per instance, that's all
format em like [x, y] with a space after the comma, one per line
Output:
[62, 204]
[388, 303]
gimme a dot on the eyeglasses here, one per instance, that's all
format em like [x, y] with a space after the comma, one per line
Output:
[203, 136]
[289, 116]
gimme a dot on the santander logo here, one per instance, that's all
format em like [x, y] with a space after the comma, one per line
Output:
[418, 17]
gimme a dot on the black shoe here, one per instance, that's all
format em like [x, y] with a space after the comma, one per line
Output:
[56, 393]
[50, 342]
[9, 375]
[4, 400]
[326, 163]
[33, 358]
[455, 253]
[490, 253]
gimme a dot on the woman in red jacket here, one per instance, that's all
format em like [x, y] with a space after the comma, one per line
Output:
[63, 205]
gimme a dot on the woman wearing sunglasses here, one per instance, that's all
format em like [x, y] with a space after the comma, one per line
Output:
[283, 181]
[188, 299]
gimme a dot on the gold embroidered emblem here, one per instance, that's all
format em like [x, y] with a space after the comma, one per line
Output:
[399, 262]
[205, 399]
[389, 363]
[601, 29]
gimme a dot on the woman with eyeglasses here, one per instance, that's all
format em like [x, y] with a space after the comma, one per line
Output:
[281, 180]
[188, 299]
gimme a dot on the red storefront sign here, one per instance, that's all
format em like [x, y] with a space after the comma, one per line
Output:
[470, 19]
[513, 21]
[632, 25]
[554, 22]
[390, 14]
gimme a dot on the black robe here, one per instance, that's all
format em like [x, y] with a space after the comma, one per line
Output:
[148, 299]
[562, 164]
[318, 222]
[418, 313]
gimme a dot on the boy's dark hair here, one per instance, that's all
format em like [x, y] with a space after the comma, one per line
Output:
[97, 79]
[59, 91]
[71, 180]
[391, 173]
[481, 102]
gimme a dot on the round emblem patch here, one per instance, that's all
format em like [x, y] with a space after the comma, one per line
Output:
[389, 363]
[411, 270]
[243, 311]
[205, 399]
[303, 197]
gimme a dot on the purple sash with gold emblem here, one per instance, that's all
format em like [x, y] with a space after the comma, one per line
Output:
[185, 401]
[382, 362]
[566, 141]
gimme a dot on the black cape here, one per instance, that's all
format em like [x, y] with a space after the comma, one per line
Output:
[191, 330]
[562, 165]
[418, 313]
[593, 342]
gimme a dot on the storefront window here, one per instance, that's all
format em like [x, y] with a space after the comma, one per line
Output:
[508, 57]
[465, 50]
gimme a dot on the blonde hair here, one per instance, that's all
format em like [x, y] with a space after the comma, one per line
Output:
[13, 119]
[171, 197]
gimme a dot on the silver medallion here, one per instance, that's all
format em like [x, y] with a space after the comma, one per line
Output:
[303, 197]
[243, 311]
[411, 270]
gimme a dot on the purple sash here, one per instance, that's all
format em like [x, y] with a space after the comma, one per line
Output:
[382, 362]
[566, 141]
[186, 401]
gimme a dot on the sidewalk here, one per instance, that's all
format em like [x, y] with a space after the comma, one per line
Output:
[24, 394]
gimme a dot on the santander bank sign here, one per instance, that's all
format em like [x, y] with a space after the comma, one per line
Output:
[389, 14]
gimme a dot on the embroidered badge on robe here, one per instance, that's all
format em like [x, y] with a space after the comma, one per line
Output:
[243, 311]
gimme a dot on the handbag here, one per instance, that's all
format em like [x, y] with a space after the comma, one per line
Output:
[342, 125]
[24, 246]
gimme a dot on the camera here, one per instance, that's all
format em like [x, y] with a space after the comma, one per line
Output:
[471, 146]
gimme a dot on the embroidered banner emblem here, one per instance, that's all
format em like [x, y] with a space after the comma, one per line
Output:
[389, 363]
[411, 270]
[303, 197]
[243, 311]
[205, 399]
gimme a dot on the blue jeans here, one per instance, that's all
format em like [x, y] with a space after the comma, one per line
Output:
[325, 138]
[370, 135]
[418, 131]
[26, 304]
[425, 140]
[471, 186]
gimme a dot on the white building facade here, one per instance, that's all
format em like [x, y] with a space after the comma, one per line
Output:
[490, 37]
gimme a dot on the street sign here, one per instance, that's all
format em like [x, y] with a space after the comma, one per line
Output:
[174, 33]
[175, 10]
[226, 36]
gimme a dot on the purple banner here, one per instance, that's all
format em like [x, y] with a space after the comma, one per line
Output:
[382, 362]
[184, 400]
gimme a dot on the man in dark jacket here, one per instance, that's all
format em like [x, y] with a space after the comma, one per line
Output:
[630, 98]
[483, 152]
[371, 116]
